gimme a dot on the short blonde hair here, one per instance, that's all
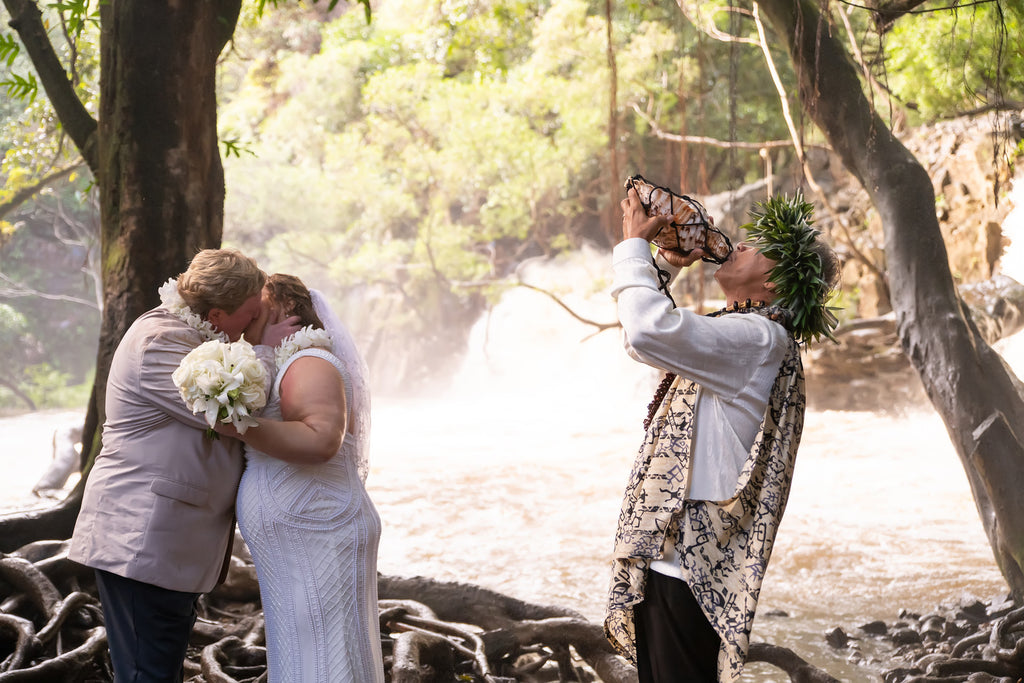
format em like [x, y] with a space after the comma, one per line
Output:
[220, 278]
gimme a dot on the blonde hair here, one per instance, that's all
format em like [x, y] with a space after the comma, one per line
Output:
[220, 278]
[290, 292]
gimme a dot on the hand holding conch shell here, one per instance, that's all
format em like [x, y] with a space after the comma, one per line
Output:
[684, 225]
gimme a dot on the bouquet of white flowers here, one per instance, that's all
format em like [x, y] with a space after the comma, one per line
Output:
[224, 380]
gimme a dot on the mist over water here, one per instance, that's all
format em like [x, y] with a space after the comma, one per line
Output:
[511, 478]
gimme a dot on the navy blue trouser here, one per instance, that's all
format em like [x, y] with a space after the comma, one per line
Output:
[675, 642]
[148, 628]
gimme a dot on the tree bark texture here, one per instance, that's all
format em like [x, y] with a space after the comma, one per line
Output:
[977, 396]
[51, 629]
[161, 179]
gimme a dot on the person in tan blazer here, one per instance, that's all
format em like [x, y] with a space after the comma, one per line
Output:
[157, 516]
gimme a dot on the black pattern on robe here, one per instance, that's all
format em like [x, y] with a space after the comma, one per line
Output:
[724, 546]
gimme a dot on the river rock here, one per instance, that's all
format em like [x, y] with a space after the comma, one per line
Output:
[837, 638]
[906, 636]
[875, 628]
[932, 627]
[974, 611]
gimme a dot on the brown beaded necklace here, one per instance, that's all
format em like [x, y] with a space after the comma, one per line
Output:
[670, 377]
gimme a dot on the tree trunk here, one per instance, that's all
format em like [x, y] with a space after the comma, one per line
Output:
[977, 396]
[160, 178]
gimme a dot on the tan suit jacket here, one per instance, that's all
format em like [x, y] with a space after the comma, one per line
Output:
[159, 502]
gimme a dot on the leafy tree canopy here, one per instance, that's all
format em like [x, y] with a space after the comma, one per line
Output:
[423, 155]
[947, 61]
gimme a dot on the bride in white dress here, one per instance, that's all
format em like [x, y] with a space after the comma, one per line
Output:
[302, 507]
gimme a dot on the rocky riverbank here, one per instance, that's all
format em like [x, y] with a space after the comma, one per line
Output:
[972, 641]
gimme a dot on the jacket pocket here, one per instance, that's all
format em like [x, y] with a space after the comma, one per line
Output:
[179, 490]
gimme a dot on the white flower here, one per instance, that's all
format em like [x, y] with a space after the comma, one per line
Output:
[225, 381]
[172, 301]
[305, 338]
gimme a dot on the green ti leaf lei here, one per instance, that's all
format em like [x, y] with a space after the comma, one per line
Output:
[782, 230]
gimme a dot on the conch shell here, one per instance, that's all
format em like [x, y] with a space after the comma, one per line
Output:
[691, 227]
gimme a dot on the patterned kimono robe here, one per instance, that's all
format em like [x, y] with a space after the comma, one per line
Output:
[724, 546]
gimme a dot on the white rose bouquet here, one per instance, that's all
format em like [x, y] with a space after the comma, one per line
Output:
[223, 380]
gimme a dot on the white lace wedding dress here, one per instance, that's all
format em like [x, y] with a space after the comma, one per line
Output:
[313, 532]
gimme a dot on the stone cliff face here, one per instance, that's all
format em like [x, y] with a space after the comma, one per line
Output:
[967, 160]
[970, 161]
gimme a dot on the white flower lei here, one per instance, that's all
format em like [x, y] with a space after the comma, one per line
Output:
[172, 301]
[305, 338]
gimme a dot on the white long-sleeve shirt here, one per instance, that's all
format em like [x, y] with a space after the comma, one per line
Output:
[734, 359]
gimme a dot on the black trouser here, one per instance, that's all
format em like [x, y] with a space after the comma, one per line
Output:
[148, 628]
[675, 643]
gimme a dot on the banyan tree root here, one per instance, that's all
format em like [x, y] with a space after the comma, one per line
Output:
[799, 670]
[419, 656]
[519, 638]
[50, 637]
[79, 664]
[31, 585]
[25, 642]
[51, 630]
[232, 660]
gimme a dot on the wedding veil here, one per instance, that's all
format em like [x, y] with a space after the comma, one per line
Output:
[344, 347]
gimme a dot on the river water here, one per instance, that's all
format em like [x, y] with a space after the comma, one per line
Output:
[511, 476]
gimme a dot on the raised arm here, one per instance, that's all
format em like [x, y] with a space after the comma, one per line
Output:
[313, 415]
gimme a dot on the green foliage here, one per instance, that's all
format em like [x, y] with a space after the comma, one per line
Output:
[392, 132]
[261, 6]
[13, 327]
[953, 60]
[49, 252]
[32, 141]
[484, 38]
[48, 387]
[18, 347]
[78, 15]
[10, 48]
[235, 147]
[423, 156]
[21, 87]
[418, 159]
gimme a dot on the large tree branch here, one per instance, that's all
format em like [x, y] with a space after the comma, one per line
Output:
[978, 398]
[886, 13]
[601, 327]
[26, 193]
[702, 16]
[27, 20]
[227, 14]
[798, 146]
[662, 134]
[13, 290]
